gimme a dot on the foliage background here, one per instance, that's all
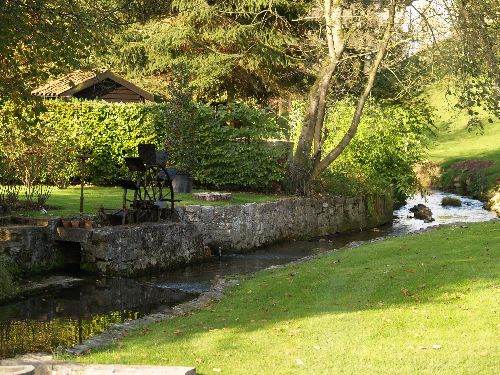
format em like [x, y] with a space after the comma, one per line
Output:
[230, 146]
[223, 147]
[392, 138]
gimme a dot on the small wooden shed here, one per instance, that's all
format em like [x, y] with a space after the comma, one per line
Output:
[100, 84]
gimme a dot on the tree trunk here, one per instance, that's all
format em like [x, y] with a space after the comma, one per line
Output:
[302, 164]
[307, 166]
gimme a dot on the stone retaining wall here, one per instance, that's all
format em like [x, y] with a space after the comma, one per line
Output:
[30, 243]
[244, 227]
[134, 249]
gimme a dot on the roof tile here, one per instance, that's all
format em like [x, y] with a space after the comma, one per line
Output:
[60, 86]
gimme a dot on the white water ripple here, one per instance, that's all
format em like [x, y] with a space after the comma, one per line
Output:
[471, 211]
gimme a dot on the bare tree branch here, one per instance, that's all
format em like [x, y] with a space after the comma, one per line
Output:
[324, 163]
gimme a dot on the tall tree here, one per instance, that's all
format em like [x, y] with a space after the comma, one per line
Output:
[41, 38]
[230, 49]
[261, 48]
[346, 25]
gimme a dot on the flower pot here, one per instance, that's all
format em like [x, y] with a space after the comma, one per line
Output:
[89, 224]
[66, 223]
[182, 183]
[75, 223]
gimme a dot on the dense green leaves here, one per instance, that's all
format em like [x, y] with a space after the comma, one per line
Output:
[41, 38]
[231, 49]
[391, 139]
[231, 146]
[223, 148]
[237, 150]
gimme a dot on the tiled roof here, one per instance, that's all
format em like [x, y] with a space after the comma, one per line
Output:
[60, 86]
[79, 80]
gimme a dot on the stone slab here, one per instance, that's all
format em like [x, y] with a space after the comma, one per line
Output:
[17, 370]
[80, 235]
[212, 196]
[50, 367]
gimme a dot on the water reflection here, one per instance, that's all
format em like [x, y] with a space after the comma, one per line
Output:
[68, 316]
[39, 335]
[197, 278]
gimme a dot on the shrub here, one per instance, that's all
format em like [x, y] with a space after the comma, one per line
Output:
[450, 201]
[466, 182]
[234, 149]
[391, 139]
[30, 150]
[9, 198]
[223, 148]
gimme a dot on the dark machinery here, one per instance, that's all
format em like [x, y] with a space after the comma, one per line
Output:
[148, 194]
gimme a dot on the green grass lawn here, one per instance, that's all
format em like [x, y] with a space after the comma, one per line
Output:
[420, 304]
[454, 142]
[66, 202]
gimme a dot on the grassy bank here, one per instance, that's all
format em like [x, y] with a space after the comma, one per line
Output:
[455, 143]
[425, 304]
[66, 202]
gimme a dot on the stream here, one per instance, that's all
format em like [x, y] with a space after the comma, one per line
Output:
[68, 316]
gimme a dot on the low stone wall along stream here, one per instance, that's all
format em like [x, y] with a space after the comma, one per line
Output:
[202, 231]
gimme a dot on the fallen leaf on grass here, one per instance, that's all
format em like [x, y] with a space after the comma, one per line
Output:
[406, 292]
[299, 362]
[317, 347]
[216, 369]
[436, 346]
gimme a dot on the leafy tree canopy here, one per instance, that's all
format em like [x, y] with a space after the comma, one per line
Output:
[42, 38]
[455, 41]
[230, 49]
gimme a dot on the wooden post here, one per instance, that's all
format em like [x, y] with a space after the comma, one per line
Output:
[82, 159]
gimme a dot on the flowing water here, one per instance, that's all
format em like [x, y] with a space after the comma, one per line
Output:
[67, 316]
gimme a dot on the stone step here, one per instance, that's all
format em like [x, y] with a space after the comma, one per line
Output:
[71, 368]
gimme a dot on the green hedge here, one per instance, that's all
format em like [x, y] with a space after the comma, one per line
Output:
[221, 148]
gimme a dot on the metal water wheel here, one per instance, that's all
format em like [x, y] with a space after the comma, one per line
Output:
[148, 194]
